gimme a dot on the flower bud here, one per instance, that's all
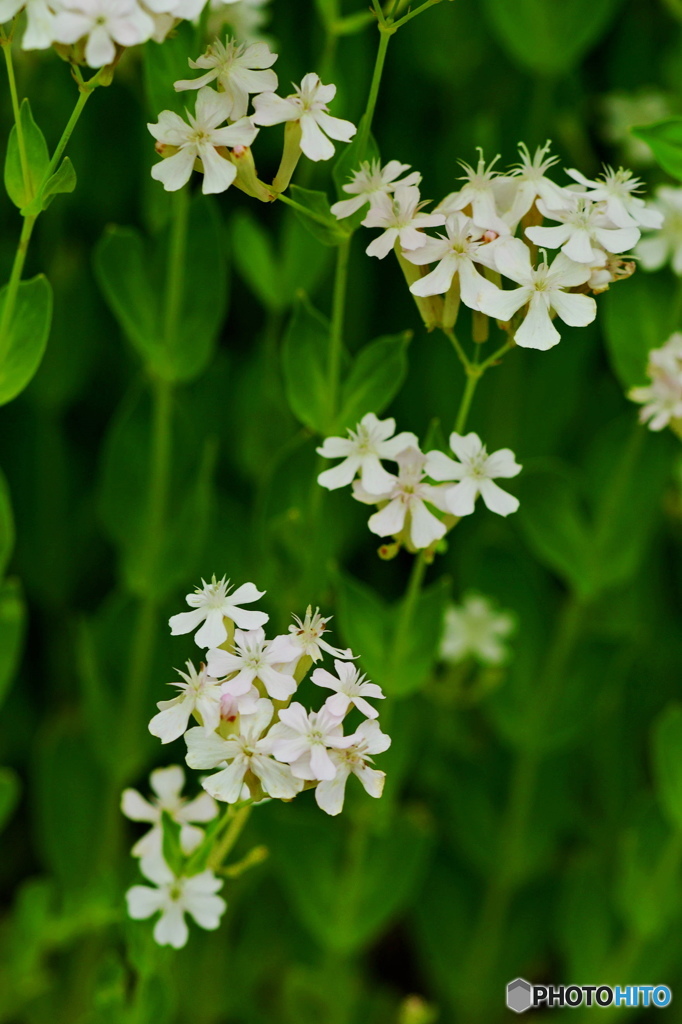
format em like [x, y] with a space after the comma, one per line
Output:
[430, 307]
[247, 178]
[291, 154]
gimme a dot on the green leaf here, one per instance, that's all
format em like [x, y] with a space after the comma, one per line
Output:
[547, 37]
[349, 161]
[665, 140]
[6, 525]
[667, 762]
[164, 65]
[12, 625]
[320, 222]
[305, 365]
[37, 159]
[376, 376]
[28, 331]
[121, 263]
[63, 180]
[198, 859]
[172, 848]
[255, 258]
[637, 317]
[363, 619]
[9, 794]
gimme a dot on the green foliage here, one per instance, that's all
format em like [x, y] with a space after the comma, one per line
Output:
[375, 377]
[665, 140]
[164, 65]
[63, 180]
[636, 319]
[9, 794]
[319, 221]
[34, 161]
[27, 335]
[667, 761]
[305, 365]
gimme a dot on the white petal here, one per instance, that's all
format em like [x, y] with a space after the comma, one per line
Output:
[227, 784]
[426, 528]
[174, 172]
[143, 901]
[135, 807]
[167, 783]
[574, 310]
[330, 794]
[498, 500]
[388, 521]
[537, 330]
[461, 498]
[213, 632]
[314, 143]
[171, 929]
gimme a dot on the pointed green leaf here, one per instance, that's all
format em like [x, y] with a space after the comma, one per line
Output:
[319, 220]
[28, 331]
[37, 159]
[305, 363]
[665, 140]
[376, 376]
[63, 180]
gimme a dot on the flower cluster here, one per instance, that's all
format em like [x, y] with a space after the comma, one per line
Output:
[256, 741]
[662, 398]
[475, 629]
[425, 484]
[493, 225]
[219, 133]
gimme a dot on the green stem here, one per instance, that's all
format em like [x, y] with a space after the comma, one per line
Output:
[413, 14]
[303, 209]
[21, 143]
[83, 97]
[13, 285]
[508, 345]
[237, 820]
[175, 272]
[457, 345]
[336, 333]
[385, 33]
[465, 405]
[409, 603]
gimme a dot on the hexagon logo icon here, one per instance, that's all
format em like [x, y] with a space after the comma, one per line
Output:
[519, 995]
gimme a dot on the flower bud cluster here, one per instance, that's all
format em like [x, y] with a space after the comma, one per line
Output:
[661, 399]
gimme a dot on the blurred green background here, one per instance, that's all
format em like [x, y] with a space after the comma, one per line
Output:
[526, 832]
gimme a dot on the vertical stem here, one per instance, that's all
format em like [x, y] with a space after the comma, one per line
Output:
[238, 819]
[83, 97]
[465, 405]
[13, 285]
[338, 316]
[21, 143]
[175, 272]
[366, 123]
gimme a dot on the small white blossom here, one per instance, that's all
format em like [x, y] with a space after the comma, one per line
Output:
[175, 897]
[666, 245]
[475, 629]
[475, 472]
[252, 659]
[616, 190]
[361, 451]
[405, 503]
[167, 784]
[40, 18]
[543, 288]
[583, 232]
[197, 138]
[200, 693]
[303, 740]
[530, 175]
[479, 192]
[213, 602]
[103, 24]
[370, 181]
[356, 760]
[238, 70]
[309, 106]
[662, 398]
[305, 639]
[350, 689]
[400, 217]
[246, 751]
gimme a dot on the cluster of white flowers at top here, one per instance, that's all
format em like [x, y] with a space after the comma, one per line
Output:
[219, 133]
[425, 484]
[475, 629]
[592, 224]
[258, 742]
[655, 250]
[662, 398]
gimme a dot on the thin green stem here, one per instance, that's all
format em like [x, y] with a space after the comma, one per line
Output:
[456, 344]
[413, 14]
[237, 820]
[175, 271]
[83, 97]
[408, 606]
[21, 142]
[368, 116]
[507, 347]
[379, 12]
[467, 398]
[303, 209]
[13, 285]
[337, 322]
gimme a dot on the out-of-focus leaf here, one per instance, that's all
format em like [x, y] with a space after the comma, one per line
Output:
[28, 331]
[9, 794]
[376, 376]
[349, 161]
[37, 159]
[637, 317]
[545, 37]
[63, 180]
[667, 761]
[320, 222]
[6, 525]
[665, 140]
[164, 65]
[585, 920]
[255, 258]
[172, 849]
[12, 618]
[646, 880]
[305, 363]
[363, 619]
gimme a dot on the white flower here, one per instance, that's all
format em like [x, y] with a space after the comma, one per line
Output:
[475, 629]
[368, 740]
[308, 106]
[252, 659]
[175, 897]
[246, 751]
[167, 783]
[303, 740]
[213, 602]
[583, 232]
[666, 245]
[662, 398]
[197, 139]
[479, 193]
[361, 451]
[370, 181]
[530, 175]
[400, 217]
[245, 17]
[103, 23]
[350, 689]
[616, 190]
[198, 693]
[305, 639]
[40, 18]
[455, 252]
[544, 289]
[475, 472]
[405, 507]
[238, 70]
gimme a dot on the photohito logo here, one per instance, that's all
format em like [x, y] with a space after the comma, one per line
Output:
[521, 995]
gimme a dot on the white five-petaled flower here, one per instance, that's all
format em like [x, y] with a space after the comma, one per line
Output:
[246, 751]
[356, 760]
[662, 398]
[103, 23]
[167, 783]
[212, 603]
[583, 232]
[370, 181]
[199, 693]
[350, 689]
[197, 138]
[530, 176]
[252, 659]
[475, 629]
[175, 897]
[479, 192]
[455, 253]
[40, 17]
[308, 106]
[666, 245]
[239, 71]
[475, 472]
[544, 289]
[404, 505]
[305, 636]
[361, 452]
[617, 191]
[303, 739]
[400, 217]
